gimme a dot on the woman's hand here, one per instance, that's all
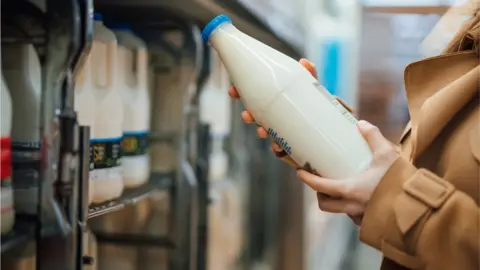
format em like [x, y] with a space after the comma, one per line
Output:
[261, 131]
[351, 195]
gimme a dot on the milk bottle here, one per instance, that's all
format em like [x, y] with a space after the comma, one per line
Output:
[22, 73]
[215, 110]
[133, 81]
[299, 114]
[6, 192]
[105, 145]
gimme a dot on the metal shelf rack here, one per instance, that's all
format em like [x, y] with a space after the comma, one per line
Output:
[62, 34]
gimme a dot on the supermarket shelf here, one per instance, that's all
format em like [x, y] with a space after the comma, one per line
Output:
[23, 232]
[126, 239]
[156, 183]
[200, 11]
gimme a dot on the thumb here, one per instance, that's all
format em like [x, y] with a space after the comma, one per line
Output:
[373, 136]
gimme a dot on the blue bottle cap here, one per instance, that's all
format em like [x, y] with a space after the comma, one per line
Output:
[120, 26]
[97, 17]
[214, 24]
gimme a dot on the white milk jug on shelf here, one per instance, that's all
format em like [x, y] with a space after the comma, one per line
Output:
[215, 110]
[6, 192]
[105, 144]
[301, 116]
[22, 73]
[133, 82]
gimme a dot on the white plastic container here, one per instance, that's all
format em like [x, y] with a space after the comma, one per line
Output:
[215, 110]
[105, 144]
[133, 80]
[6, 192]
[22, 73]
[300, 115]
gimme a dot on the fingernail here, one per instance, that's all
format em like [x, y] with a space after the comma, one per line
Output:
[363, 124]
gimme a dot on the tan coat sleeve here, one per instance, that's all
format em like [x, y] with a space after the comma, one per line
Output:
[417, 219]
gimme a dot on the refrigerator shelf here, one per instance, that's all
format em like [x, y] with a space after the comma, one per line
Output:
[22, 233]
[157, 182]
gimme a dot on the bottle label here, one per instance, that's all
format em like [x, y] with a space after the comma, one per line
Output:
[345, 112]
[280, 141]
[105, 153]
[337, 104]
[135, 143]
[5, 157]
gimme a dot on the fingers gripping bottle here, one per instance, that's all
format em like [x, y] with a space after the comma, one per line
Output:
[299, 114]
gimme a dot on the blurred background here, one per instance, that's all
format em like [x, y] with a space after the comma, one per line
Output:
[215, 198]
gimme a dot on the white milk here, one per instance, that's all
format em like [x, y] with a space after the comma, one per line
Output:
[105, 144]
[6, 192]
[22, 73]
[215, 110]
[300, 115]
[133, 80]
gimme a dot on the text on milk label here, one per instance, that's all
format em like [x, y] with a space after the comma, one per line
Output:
[105, 153]
[280, 141]
[337, 104]
[135, 143]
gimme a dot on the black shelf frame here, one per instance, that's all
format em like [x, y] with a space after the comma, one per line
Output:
[156, 183]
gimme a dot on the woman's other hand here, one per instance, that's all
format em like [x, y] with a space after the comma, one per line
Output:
[351, 196]
[248, 118]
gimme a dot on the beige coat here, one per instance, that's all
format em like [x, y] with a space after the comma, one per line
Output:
[425, 212]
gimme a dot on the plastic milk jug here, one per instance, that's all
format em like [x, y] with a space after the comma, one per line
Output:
[105, 145]
[133, 81]
[22, 73]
